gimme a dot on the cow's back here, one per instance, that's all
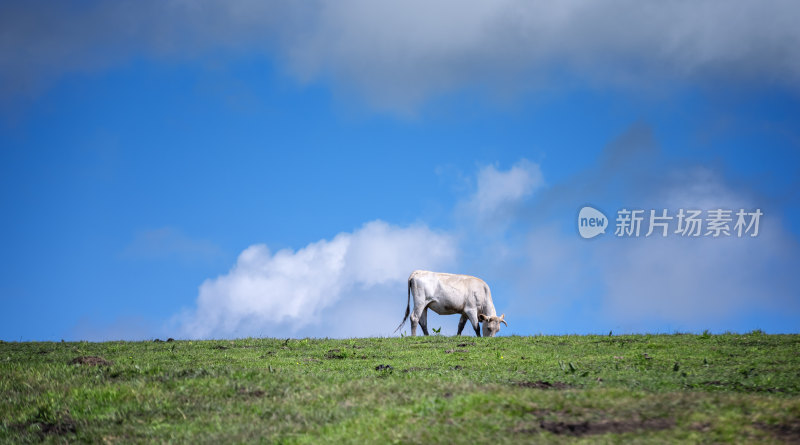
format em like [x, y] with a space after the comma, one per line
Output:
[448, 277]
[467, 286]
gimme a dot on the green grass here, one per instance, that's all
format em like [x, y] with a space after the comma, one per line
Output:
[645, 388]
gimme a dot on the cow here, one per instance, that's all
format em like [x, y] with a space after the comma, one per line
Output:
[448, 294]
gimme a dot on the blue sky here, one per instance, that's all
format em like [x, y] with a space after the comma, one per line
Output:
[278, 169]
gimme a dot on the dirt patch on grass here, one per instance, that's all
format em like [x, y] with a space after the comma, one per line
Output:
[585, 428]
[541, 384]
[63, 426]
[91, 360]
[462, 345]
[250, 392]
[450, 351]
[703, 427]
[787, 432]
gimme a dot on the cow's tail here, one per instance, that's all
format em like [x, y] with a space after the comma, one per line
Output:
[408, 306]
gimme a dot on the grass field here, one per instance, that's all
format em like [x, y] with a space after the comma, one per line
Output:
[644, 388]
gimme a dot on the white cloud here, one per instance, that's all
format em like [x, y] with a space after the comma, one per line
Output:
[293, 292]
[499, 192]
[398, 54]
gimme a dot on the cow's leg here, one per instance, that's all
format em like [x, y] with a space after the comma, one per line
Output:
[416, 315]
[423, 321]
[473, 318]
[461, 323]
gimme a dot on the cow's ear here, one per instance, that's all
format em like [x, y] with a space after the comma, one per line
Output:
[481, 317]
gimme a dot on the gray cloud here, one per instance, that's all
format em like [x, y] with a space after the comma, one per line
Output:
[398, 54]
[704, 280]
[635, 284]
[41, 41]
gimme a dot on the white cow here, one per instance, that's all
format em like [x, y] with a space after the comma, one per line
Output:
[447, 294]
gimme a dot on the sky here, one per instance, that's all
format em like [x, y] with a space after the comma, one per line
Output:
[226, 169]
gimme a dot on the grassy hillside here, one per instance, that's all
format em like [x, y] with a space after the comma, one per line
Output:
[653, 388]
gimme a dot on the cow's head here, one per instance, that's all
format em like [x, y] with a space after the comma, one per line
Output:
[491, 324]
